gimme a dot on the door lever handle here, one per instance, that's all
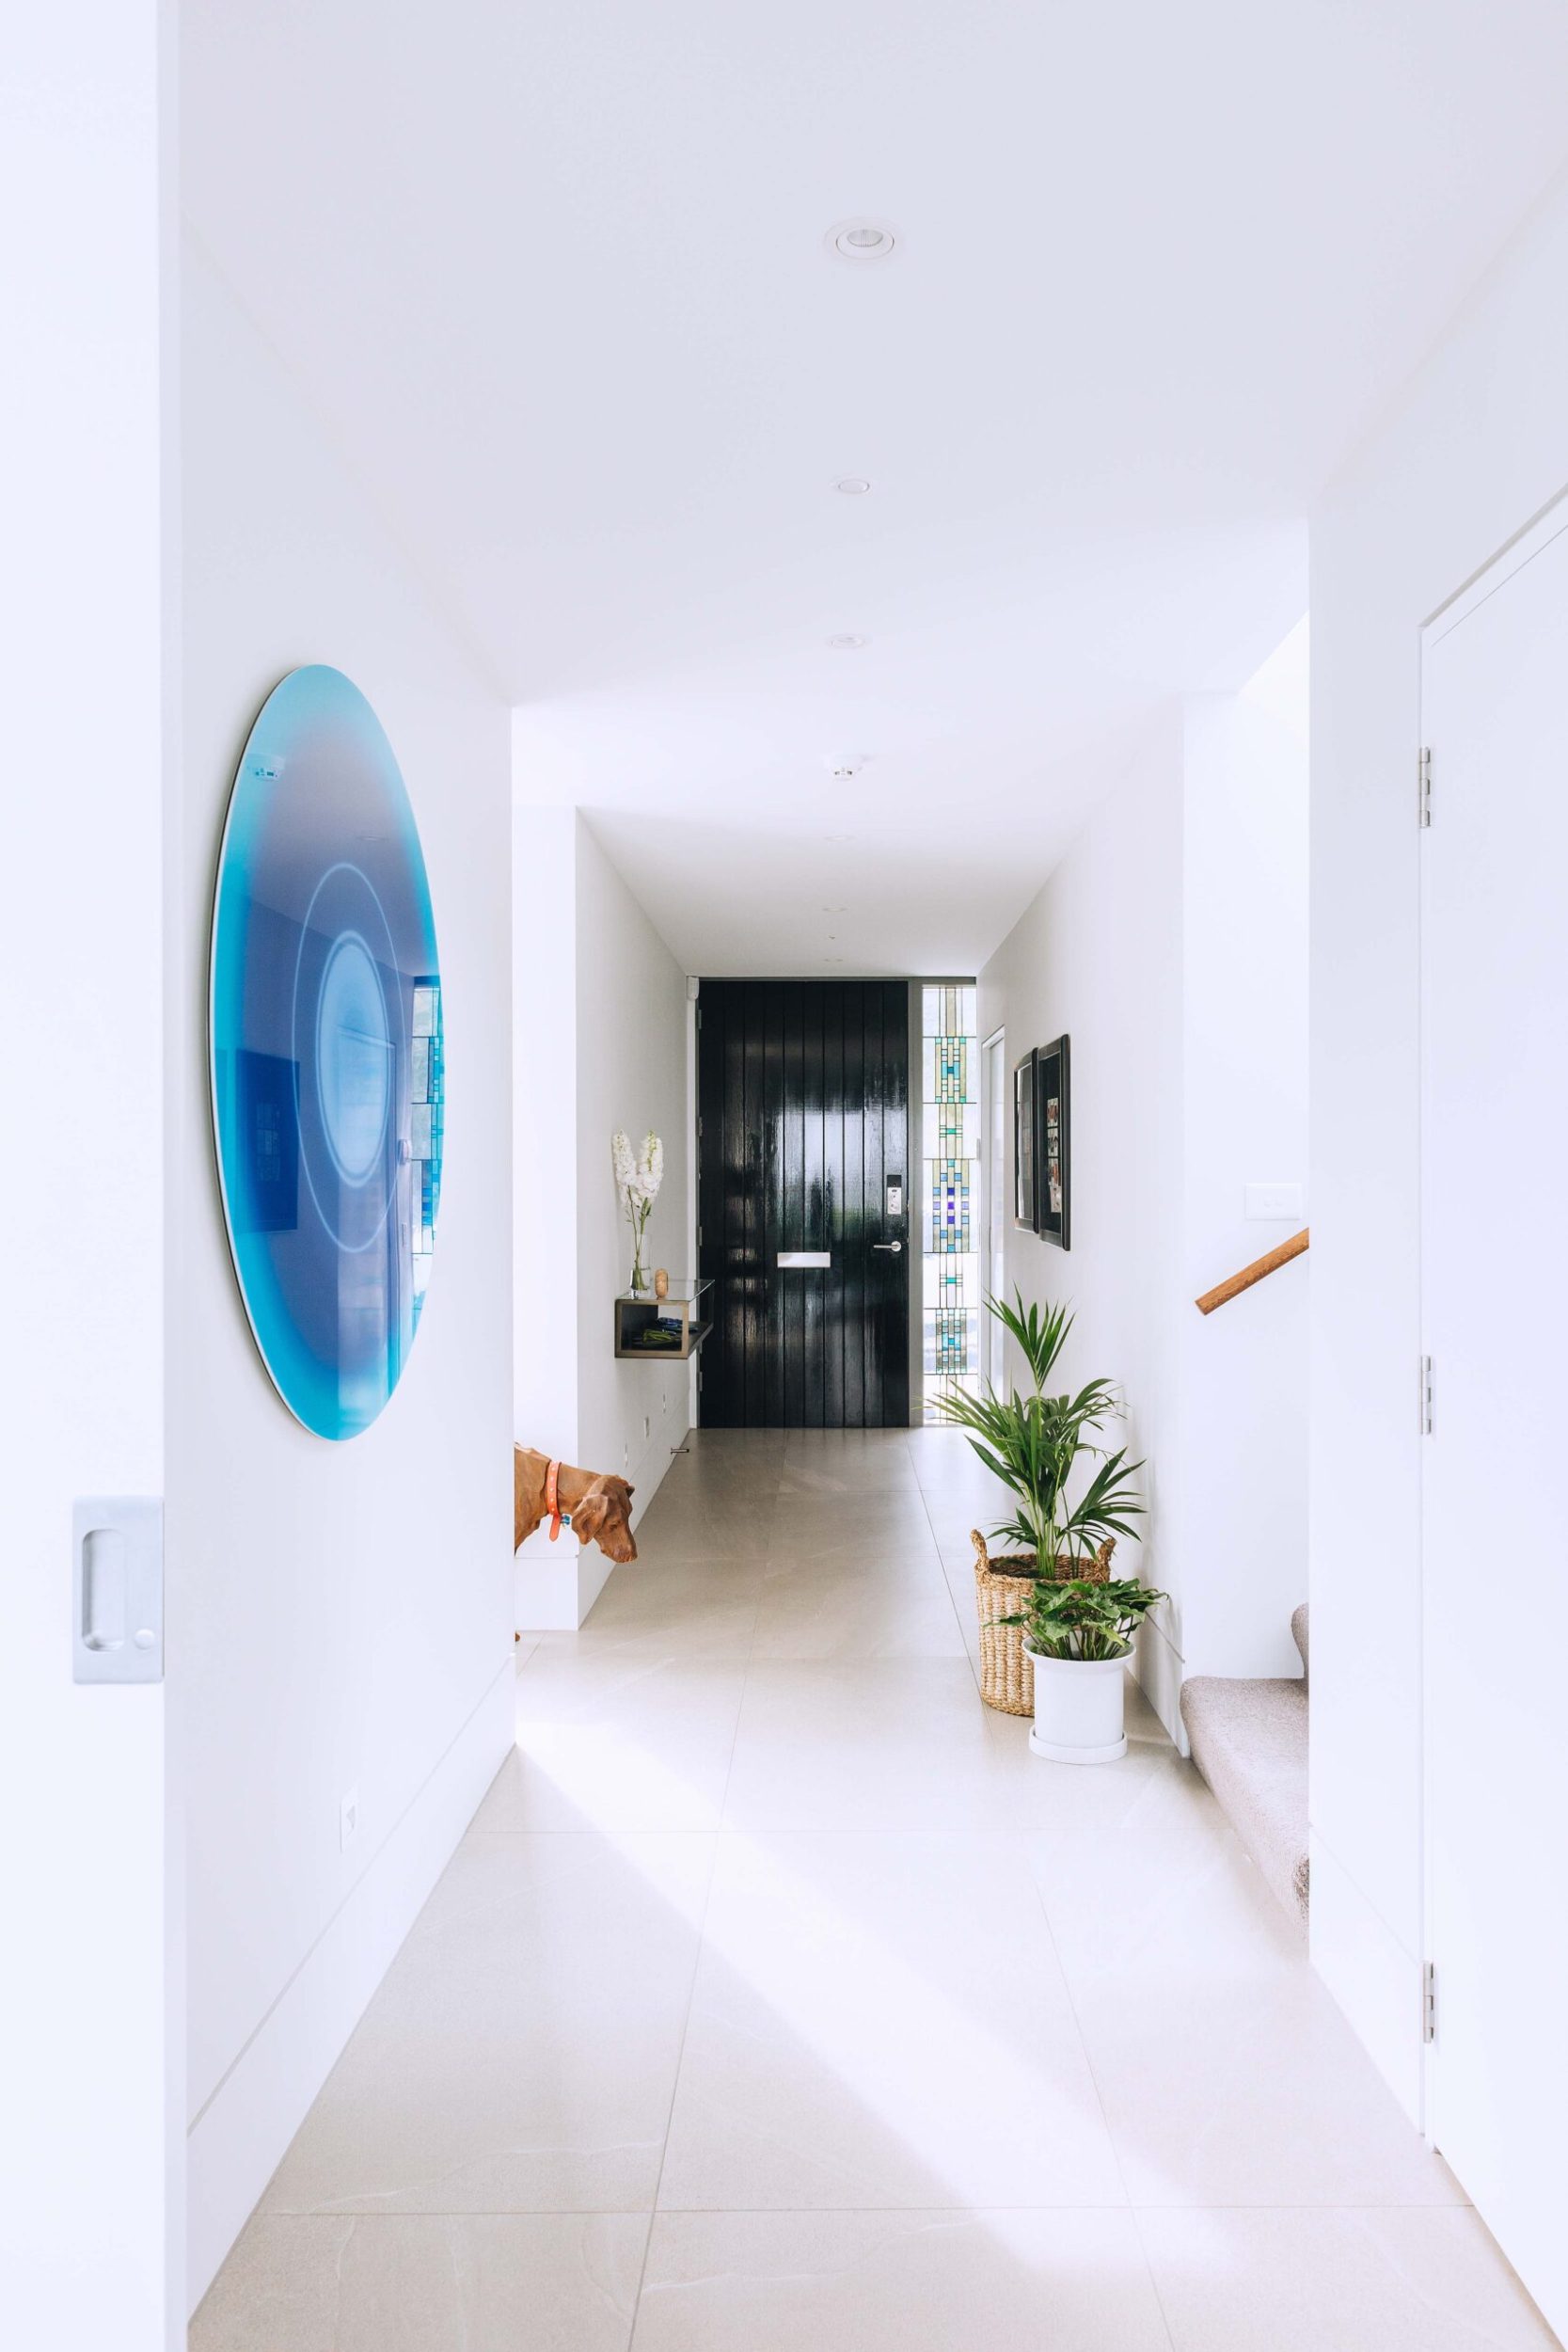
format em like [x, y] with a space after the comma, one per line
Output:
[893, 1246]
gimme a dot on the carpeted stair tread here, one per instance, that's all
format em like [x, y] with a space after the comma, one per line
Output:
[1250, 1741]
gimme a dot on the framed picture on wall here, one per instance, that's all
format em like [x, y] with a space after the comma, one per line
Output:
[1053, 1143]
[1025, 1199]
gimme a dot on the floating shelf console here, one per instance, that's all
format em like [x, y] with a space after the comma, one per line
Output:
[639, 1313]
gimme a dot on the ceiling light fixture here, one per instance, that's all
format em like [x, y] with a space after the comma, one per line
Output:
[862, 240]
[847, 644]
[844, 766]
[853, 485]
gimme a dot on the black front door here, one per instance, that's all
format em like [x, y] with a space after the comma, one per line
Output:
[803, 1155]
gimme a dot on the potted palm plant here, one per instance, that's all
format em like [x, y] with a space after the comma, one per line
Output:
[1072, 1495]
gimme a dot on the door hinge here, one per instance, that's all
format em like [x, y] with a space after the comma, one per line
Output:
[699, 1131]
[1426, 1396]
[1428, 2002]
[699, 1237]
[1423, 786]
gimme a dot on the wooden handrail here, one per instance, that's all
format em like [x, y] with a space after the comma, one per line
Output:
[1269, 1264]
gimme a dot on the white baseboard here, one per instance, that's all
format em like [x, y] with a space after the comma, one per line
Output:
[1376, 1982]
[1157, 1667]
[557, 1584]
[240, 2136]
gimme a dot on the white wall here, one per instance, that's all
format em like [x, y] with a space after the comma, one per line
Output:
[545, 1128]
[1098, 955]
[1476, 448]
[339, 1613]
[1170, 945]
[1243, 1369]
[90, 2157]
[602, 1040]
[632, 1022]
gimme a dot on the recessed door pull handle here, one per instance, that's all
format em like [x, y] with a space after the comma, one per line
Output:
[893, 1246]
[117, 1588]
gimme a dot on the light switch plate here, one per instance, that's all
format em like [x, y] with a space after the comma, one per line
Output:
[1275, 1200]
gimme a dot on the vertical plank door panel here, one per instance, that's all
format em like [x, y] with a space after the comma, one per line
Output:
[803, 1090]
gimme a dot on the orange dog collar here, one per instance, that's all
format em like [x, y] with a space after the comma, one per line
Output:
[552, 1499]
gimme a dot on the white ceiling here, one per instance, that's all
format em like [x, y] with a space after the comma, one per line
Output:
[556, 276]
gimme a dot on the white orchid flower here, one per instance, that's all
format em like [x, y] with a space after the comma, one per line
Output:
[638, 1177]
[638, 1180]
[626, 1166]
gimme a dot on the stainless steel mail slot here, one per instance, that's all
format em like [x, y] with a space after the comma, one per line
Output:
[805, 1257]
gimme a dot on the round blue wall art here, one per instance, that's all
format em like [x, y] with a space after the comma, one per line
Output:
[328, 1087]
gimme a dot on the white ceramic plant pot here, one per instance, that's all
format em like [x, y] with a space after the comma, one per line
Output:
[1078, 1703]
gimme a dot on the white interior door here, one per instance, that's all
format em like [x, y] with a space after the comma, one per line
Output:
[998, 1191]
[1494, 1022]
[91, 2142]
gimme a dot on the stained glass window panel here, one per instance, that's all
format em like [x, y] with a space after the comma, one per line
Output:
[950, 1140]
[950, 1131]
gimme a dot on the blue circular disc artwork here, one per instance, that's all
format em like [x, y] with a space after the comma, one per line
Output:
[329, 1094]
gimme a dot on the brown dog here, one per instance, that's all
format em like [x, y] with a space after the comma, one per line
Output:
[598, 1508]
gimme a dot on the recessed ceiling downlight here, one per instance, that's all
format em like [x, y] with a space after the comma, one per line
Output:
[853, 485]
[862, 240]
[847, 645]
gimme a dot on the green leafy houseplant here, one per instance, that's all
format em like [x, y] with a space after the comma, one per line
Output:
[1079, 1619]
[1032, 1444]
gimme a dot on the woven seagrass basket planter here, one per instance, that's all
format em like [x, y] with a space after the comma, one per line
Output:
[1001, 1587]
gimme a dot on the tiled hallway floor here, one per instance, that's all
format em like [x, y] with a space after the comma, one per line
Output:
[778, 2000]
